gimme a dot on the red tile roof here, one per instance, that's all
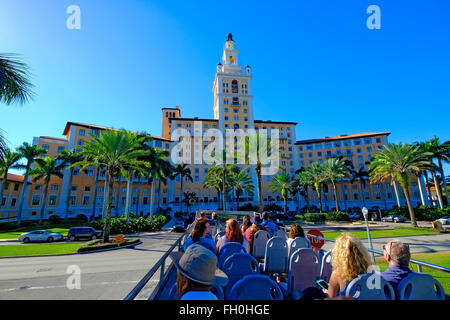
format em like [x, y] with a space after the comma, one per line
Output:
[16, 178]
[343, 137]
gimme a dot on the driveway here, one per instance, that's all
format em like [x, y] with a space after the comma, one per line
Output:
[104, 275]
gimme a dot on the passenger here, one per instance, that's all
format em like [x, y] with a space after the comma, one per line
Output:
[246, 223]
[196, 273]
[233, 234]
[250, 232]
[203, 215]
[269, 224]
[296, 231]
[349, 259]
[199, 235]
[397, 254]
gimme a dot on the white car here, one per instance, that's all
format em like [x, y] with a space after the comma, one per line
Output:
[40, 235]
[444, 220]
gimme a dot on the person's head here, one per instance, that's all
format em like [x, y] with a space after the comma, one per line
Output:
[257, 221]
[196, 270]
[233, 232]
[397, 253]
[246, 222]
[349, 257]
[265, 215]
[213, 216]
[201, 228]
[203, 216]
[296, 231]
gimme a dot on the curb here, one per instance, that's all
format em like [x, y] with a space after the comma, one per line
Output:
[110, 249]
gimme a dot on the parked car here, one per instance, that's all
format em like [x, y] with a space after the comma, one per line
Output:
[179, 225]
[444, 220]
[77, 233]
[354, 215]
[277, 215]
[40, 235]
[395, 219]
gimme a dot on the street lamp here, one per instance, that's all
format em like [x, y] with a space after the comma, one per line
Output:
[365, 213]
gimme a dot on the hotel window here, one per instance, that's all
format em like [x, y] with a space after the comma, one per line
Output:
[87, 188]
[38, 187]
[226, 117]
[74, 188]
[99, 201]
[36, 200]
[377, 195]
[54, 188]
[360, 158]
[368, 141]
[300, 148]
[357, 142]
[369, 149]
[52, 200]
[337, 144]
[235, 101]
[378, 140]
[244, 103]
[60, 149]
[310, 155]
[82, 132]
[302, 163]
[45, 147]
[16, 187]
[245, 119]
[358, 150]
[13, 202]
[225, 101]
[311, 162]
[100, 189]
[348, 152]
[309, 147]
[3, 201]
[301, 155]
[234, 86]
[319, 154]
[86, 200]
[236, 110]
[339, 153]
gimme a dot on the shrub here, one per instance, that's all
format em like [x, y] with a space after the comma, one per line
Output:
[248, 207]
[337, 216]
[54, 219]
[120, 225]
[81, 217]
[314, 217]
[272, 207]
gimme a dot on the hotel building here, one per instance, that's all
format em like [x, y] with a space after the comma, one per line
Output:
[232, 109]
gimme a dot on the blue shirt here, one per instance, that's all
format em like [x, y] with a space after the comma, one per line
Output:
[199, 295]
[208, 243]
[395, 274]
[272, 227]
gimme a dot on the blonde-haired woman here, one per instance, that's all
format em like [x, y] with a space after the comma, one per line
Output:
[349, 259]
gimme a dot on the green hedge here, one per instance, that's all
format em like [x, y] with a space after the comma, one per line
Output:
[321, 217]
[98, 245]
[120, 225]
[337, 216]
[314, 217]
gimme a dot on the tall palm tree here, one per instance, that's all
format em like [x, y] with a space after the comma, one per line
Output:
[114, 150]
[15, 86]
[10, 161]
[282, 183]
[3, 145]
[315, 174]
[30, 153]
[46, 169]
[431, 147]
[305, 180]
[68, 158]
[362, 176]
[441, 153]
[334, 169]
[399, 162]
[189, 197]
[214, 180]
[241, 181]
[183, 172]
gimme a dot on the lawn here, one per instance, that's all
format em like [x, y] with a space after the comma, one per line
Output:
[61, 228]
[438, 258]
[38, 249]
[391, 233]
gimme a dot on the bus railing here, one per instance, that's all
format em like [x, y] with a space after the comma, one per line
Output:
[419, 263]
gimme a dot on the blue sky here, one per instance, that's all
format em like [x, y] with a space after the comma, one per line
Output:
[314, 62]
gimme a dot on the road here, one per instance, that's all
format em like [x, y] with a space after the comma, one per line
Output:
[104, 275]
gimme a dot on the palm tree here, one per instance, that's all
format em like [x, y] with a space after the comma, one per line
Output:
[399, 162]
[3, 145]
[183, 172]
[68, 158]
[114, 150]
[441, 153]
[46, 169]
[159, 168]
[214, 180]
[282, 182]
[315, 174]
[189, 197]
[305, 180]
[10, 161]
[30, 153]
[241, 181]
[15, 88]
[360, 175]
[432, 149]
[334, 169]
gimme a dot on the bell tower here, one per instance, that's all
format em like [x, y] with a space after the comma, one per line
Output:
[233, 100]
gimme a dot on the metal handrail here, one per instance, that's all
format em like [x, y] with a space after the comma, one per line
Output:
[419, 263]
[160, 264]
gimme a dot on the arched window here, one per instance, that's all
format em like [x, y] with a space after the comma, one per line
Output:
[236, 126]
[234, 86]
[231, 59]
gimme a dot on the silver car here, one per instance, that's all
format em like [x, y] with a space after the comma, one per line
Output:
[40, 236]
